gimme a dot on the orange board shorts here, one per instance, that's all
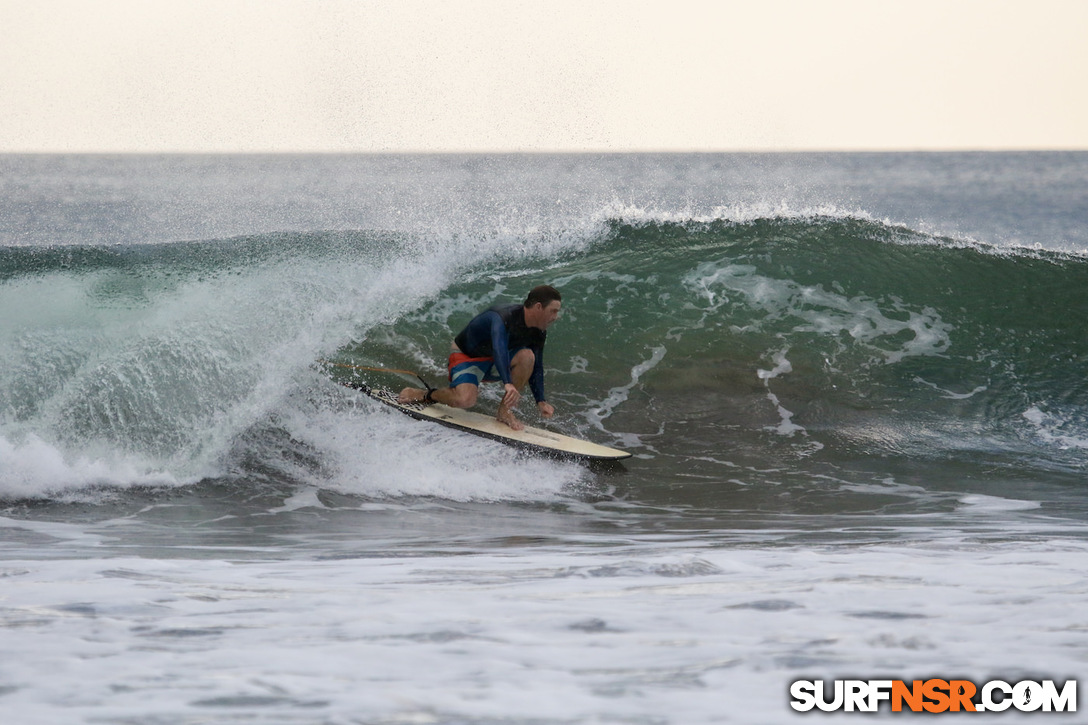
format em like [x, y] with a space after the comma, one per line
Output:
[475, 370]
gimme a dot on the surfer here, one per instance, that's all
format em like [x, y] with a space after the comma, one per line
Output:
[503, 343]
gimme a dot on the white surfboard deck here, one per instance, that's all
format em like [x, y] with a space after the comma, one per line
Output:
[533, 439]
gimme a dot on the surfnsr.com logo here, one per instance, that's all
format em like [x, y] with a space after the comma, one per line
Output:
[933, 695]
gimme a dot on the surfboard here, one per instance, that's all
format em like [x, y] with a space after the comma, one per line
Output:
[537, 440]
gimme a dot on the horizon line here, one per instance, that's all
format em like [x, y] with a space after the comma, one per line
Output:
[537, 152]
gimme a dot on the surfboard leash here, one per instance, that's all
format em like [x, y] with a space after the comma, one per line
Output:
[385, 370]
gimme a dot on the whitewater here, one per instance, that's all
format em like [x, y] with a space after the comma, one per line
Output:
[853, 386]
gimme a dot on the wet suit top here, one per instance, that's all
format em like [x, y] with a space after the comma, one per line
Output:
[498, 333]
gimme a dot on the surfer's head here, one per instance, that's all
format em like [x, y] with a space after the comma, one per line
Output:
[542, 306]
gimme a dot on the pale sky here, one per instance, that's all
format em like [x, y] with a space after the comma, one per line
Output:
[482, 75]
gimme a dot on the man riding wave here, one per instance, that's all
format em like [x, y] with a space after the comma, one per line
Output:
[504, 343]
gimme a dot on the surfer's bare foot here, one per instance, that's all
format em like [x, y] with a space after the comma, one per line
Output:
[505, 415]
[411, 395]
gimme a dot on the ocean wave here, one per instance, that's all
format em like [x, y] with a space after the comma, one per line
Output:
[818, 327]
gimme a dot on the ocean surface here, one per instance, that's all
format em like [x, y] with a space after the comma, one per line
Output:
[855, 388]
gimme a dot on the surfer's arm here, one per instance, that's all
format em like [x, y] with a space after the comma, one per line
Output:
[536, 381]
[500, 346]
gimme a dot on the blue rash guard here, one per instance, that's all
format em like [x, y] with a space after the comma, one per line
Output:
[498, 333]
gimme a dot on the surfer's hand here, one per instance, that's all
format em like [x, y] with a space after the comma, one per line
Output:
[545, 409]
[512, 396]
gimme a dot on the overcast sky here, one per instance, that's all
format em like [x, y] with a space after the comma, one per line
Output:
[444, 75]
